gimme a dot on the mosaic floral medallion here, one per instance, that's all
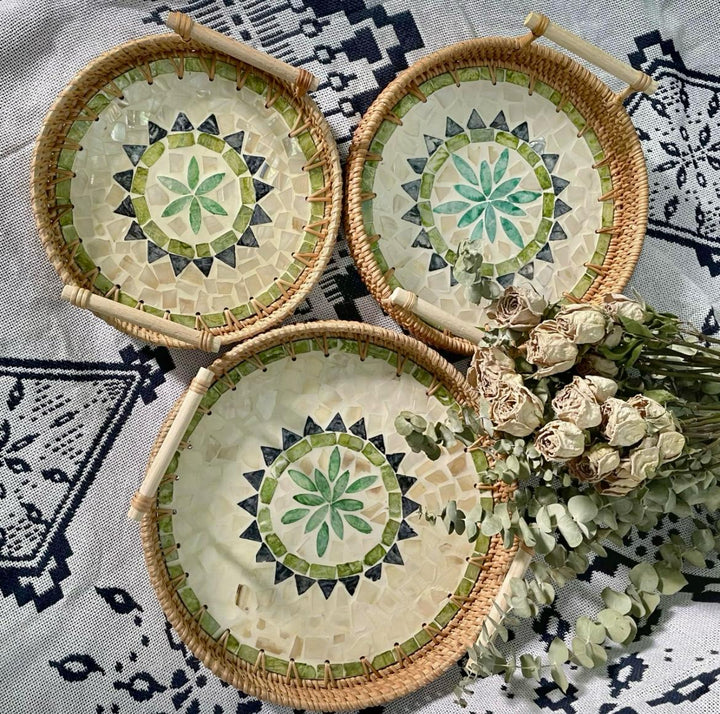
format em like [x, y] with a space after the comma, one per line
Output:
[299, 512]
[482, 159]
[327, 511]
[163, 205]
[188, 194]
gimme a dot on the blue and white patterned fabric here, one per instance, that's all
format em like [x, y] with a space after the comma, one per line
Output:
[80, 403]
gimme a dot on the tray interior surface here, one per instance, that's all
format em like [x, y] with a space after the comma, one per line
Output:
[300, 513]
[484, 160]
[189, 193]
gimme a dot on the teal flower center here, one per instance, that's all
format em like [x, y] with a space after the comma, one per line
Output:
[488, 197]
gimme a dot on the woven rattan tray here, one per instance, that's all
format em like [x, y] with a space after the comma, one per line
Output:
[286, 543]
[509, 144]
[192, 186]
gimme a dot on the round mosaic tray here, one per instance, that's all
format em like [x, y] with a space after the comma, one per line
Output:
[288, 545]
[508, 144]
[188, 184]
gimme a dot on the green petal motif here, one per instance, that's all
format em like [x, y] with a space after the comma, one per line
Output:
[316, 519]
[348, 504]
[212, 206]
[490, 224]
[506, 207]
[295, 514]
[361, 484]
[477, 231]
[174, 185]
[464, 169]
[309, 499]
[193, 173]
[325, 496]
[451, 207]
[323, 485]
[523, 196]
[504, 188]
[302, 480]
[359, 524]
[176, 206]
[334, 465]
[511, 232]
[341, 485]
[323, 538]
[486, 198]
[195, 215]
[209, 184]
[337, 523]
[472, 215]
[469, 192]
[500, 166]
[485, 178]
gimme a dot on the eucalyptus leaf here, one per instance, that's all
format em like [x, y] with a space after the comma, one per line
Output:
[703, 540]
[671, 580]
[619, 602]
[644, 577]
[582, 508]
[581, 653]
[530, 666]
[558, 675]
[620, 628]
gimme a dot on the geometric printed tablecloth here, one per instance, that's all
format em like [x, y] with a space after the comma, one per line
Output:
[80, 403]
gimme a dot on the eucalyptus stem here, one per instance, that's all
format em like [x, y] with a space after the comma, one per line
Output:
[681, 374]
[690, 345]
[658, 360]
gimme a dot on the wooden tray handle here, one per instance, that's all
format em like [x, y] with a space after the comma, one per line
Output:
[434, 315]
[188, 29]
[517, 570]
[142, 500]
[111, 309]
[540, 25]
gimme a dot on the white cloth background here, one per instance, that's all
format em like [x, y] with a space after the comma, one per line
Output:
[79, 625]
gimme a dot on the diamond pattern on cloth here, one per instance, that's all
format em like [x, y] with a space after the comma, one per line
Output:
[81, 626]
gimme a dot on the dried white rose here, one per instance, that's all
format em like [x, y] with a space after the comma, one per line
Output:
[657, 417]
[619, 482]
[617, 305]
[598, 461]
[487, 367]
[515, 409]
[600, 365]
[584, 324]
[519, 308]
[671, 445]
[576, 403]
[644, 463]
[560, 441]
[614, 337]
[550, 349]
[602, 387]
[623, 424]
[603, 458]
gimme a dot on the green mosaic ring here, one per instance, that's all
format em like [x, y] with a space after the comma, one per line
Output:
[290, 547]
[189, 184]
[521, 150]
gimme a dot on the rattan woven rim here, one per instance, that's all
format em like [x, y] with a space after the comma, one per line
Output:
[594, 100]
[430, 661]
[66, 110]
